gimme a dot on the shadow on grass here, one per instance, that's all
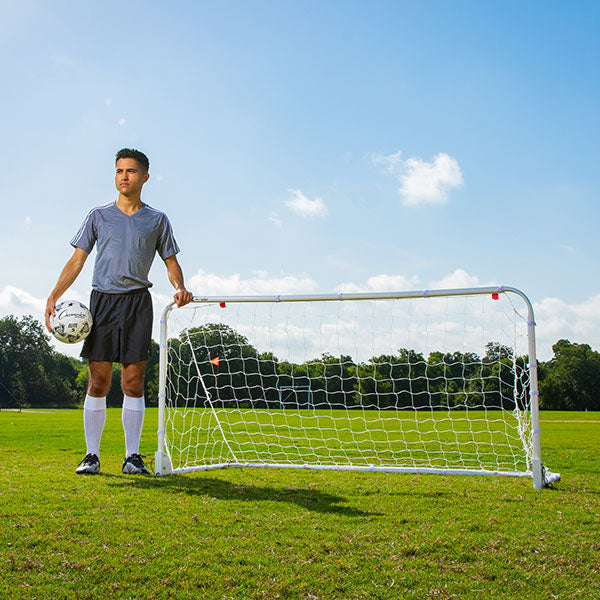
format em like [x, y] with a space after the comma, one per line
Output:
[309, 499]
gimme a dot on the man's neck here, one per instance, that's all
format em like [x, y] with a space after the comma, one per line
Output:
[129, 205]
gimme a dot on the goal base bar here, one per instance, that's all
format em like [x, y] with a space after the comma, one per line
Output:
[365, 468]
[549, 477]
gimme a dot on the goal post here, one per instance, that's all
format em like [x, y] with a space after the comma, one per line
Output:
[431, 381]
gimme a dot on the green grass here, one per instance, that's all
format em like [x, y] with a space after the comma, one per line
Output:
[456, 439]
[254, 534]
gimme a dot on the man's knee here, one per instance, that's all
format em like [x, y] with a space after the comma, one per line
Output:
[100, 376]
[132, 379]
[135, 389]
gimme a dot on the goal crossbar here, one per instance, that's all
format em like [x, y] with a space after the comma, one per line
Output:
[216, 411]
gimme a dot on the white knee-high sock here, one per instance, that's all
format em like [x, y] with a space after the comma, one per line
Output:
[94, 417]
[133, 420]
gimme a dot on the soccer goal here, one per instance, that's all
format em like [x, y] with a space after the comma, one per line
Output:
[434, 381]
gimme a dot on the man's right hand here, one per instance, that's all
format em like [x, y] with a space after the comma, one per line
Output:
[68, 275]
[50, 306]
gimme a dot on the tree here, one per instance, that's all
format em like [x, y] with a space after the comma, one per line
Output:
[498, 376]
[570, 380]
[197, 348]
[393, 381]
[452, 378]
[114, 398]
[331, 379]
[151, 383]
[32, 373]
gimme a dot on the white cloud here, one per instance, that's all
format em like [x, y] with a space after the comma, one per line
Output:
[274, 218]
[306, 207]
[399, 283]
[578, 322]
[159, 301]
[567, 248]
[556, 319]
[18, 302]
[211, 284]
[389, 163]
[422, 182]
[380, 283]
[459, 279]
[27, 223]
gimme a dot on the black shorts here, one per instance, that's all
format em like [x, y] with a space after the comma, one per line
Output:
[122, 329]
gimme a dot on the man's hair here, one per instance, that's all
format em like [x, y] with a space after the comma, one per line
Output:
[140, 157]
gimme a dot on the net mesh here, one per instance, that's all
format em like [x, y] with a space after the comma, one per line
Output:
[420, 383]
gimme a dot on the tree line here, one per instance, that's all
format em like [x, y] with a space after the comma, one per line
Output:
[34, 374]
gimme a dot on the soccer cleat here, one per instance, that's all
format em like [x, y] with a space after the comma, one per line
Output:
[134, 465]
[90, 465]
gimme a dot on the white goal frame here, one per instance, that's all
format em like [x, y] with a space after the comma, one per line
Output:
[541, 478]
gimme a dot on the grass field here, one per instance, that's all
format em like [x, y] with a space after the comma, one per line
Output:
[241, 533]
[458, 439]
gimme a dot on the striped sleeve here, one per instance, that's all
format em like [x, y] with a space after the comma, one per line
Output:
[166, 244]
[85, 238]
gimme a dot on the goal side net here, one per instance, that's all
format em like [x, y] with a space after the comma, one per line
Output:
[435, 381]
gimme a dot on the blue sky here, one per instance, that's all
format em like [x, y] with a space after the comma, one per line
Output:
[314, 146]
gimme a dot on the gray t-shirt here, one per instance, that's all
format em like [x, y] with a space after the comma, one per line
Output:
[126, 245]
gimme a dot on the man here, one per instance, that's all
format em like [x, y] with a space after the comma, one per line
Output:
[128, 233]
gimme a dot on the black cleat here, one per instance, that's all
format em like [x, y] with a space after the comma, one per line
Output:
[90, 465]
[134, 465]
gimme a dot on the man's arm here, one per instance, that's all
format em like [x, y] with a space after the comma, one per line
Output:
[175, 274]
[68, 275]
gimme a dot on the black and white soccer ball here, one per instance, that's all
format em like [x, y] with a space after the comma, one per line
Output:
[72, 323]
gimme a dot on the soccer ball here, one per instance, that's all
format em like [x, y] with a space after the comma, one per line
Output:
[72, 323]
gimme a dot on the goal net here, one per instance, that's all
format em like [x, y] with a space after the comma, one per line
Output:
[432, 381]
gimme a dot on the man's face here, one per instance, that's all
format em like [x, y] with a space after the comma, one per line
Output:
[130, 177]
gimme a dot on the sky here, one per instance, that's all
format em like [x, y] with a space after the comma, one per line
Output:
[313, 147]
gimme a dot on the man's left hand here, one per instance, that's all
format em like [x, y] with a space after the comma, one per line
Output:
[182, 297]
